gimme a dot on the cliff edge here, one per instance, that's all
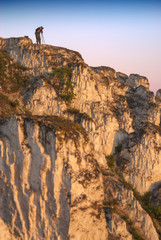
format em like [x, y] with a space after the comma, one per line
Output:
[79, 148]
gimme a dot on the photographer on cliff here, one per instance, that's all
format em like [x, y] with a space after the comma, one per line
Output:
[37, 34]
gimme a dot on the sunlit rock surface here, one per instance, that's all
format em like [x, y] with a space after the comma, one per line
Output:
[65, 166]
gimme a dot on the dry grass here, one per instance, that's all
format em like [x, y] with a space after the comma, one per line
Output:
[60, 124]
[12, 75]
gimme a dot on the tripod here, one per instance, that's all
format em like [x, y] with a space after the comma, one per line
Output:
[43, 39]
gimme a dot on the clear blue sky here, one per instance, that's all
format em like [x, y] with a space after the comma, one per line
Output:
[124, 35]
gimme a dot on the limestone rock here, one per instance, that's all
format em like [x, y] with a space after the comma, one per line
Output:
[117, 226]
[56, 181]
[38, 58]
[51, 186]
[128, 211]
[135, 80]
[5, 231]
[142, 170]
[158, 96]
[122, 77]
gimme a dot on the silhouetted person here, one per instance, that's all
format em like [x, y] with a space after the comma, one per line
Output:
[37, 33]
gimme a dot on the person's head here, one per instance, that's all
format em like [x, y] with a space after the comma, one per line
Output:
[41, 27]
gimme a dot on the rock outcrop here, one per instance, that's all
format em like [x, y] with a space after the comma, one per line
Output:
[51, 184]
[82, 142]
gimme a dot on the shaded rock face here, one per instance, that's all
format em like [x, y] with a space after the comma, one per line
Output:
[136, 80]
[65, 168]
[142, 157]
[127, 213]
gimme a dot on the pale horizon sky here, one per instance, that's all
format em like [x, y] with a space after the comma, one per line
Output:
[124, 35]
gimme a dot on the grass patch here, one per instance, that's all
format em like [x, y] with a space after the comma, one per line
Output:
[59, 124]
[7, 106]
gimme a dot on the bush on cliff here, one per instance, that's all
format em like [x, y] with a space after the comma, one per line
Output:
[62, 83]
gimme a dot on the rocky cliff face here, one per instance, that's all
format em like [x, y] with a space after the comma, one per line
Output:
[80, 158]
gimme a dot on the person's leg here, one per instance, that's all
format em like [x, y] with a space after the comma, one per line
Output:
[38, 40]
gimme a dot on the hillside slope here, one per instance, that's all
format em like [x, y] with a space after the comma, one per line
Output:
[79, 148]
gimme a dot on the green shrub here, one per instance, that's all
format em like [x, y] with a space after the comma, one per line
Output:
[111, 203]
[79, 115]
[61, 73]
[154, 211]
[15, 103]
[62, 83]
[118, 148]
[146, 198]
[135, 234]
[110, 161]
[18, 67]
[7, 106]
[145, 201]
[27, 112]
[131, 229]
[73, 111]
[105, 173]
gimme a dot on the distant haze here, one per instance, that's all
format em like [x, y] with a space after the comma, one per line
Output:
[124, 35]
